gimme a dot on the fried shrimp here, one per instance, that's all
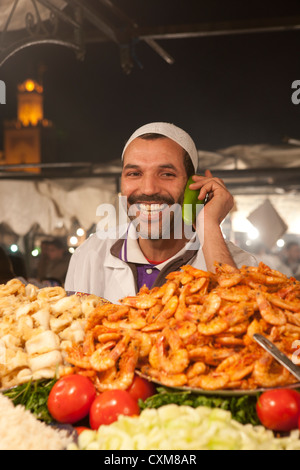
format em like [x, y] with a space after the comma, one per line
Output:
[125, 324]
[238, 365]
[198, 285]
[185, 329]
[211, 306]
[238, 328]
[260, 275]
[104, 357]
[229, 340]
[196, 330]
[196, 272]
[118, 314]
[143, 301]
[214, 327]
[268, 373]
[100, 312]
[168, 353]
[181, 308]
[172, 380]
[198, 368]
[169, 309]
[236, 294]
[174, 361]
[237, 313]
[267, 312]
[169, 380]
[229, 280]
[210, 355]
[283, 304]
[255, 327]
[169, 292]
[213, 381]
[143, 340]
[77, 358]
[227, 276]
[122, 379]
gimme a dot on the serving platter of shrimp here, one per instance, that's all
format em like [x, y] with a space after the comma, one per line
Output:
[195, 332]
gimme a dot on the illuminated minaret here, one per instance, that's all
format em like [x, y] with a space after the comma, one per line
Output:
[29, 138]
[30, 103]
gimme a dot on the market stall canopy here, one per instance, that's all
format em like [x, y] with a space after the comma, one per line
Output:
[276, 161]
[22, 9]
[252, 156]
[77, 23]
[53, 204]
[249, 169]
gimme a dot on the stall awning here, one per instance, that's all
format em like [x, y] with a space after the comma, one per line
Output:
[22, 8]
[23, 204]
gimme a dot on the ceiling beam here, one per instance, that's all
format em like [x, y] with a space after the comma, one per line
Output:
[95, 19]
[150, 35]
[132, 27]
[255, 25]
[194, 30]
[159, 50]
[118, 13]
[63, 16]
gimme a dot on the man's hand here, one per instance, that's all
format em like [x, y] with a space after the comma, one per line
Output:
[220, 201]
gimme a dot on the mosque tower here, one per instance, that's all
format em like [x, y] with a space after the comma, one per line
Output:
[29, 139]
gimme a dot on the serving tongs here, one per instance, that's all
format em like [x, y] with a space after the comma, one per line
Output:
[278, 355]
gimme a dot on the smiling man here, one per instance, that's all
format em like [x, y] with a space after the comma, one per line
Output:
[157, 160]
[153, 181]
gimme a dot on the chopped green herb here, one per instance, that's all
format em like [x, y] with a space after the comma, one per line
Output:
[242, 408]
[34, 397]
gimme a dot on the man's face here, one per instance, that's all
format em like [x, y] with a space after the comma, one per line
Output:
[153, 179]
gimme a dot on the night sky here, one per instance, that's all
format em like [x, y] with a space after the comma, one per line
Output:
[224, 90]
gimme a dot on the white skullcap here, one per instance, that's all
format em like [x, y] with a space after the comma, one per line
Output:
[173, 132]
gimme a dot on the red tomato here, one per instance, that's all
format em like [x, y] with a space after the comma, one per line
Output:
[141, 388]
[109, 405]
[80, 429]
[279, 409]
[70, 399]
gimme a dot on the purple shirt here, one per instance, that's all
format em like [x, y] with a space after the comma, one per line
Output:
[146, 274]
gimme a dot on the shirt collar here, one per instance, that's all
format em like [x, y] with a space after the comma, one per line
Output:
[130, 251]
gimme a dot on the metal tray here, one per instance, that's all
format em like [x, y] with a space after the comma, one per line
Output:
[228, 392]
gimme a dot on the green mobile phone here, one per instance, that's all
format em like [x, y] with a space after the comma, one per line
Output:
[190, 203]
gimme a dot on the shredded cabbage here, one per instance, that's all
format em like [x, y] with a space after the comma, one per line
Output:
[173, 427]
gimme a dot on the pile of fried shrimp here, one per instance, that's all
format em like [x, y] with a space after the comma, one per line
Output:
[196, 330]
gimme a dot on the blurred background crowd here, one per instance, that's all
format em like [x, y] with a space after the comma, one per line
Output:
[49, 268]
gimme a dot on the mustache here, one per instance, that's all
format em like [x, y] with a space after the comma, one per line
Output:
[134, 199]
